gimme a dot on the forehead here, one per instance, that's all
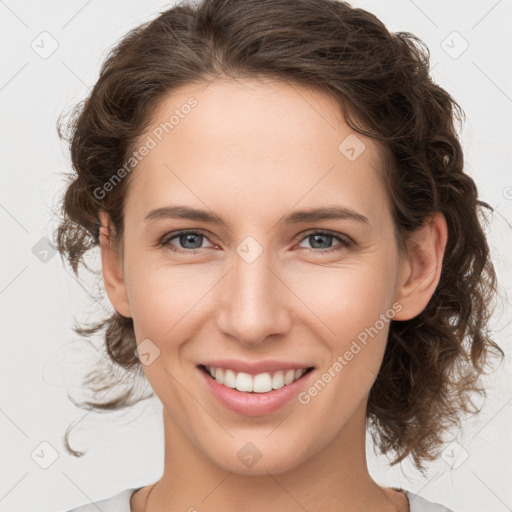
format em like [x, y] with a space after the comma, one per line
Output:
[254, 146]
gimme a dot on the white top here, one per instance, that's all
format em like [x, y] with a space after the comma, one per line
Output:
[121, 503]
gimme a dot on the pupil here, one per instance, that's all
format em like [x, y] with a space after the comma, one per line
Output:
[190, 238]
[316, 237]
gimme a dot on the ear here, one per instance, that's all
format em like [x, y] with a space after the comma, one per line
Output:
[113, 274]
[421, 267]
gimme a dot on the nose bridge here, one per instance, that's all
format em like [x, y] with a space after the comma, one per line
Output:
[254, 305]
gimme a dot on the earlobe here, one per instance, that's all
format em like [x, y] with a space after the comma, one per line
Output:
[421, 268]
[113, 273]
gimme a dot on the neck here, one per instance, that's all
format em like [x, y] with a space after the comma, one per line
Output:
[334, 478]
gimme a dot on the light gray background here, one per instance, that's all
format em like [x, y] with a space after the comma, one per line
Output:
[42, 358]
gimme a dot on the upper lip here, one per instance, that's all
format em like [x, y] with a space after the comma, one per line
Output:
[254, 368]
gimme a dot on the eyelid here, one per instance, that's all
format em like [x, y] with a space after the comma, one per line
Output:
[335, 234]
[345, 240]
[165, 239]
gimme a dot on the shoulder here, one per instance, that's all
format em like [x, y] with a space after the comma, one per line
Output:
[420, 504]
[120, 502]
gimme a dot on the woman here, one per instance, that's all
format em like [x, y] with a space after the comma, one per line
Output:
[292, 249]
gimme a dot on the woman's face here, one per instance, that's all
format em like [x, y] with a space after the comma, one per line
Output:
[253, 287]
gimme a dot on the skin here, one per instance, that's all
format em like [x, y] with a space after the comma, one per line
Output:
[252, 151]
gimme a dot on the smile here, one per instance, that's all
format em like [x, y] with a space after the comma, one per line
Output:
[253, 394]
[259, 383]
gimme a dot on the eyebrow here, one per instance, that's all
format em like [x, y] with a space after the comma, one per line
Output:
[296, 217]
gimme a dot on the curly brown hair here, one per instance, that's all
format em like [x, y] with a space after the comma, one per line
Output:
[432, 363]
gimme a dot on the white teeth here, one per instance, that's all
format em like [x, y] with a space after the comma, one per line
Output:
[289, 376]
[278, 380]
[230, 379]
[299, 373]
[219, 375]
[243, 382]
[261, 383]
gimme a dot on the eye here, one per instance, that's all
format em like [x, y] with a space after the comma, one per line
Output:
[320, 240]
[189, 239]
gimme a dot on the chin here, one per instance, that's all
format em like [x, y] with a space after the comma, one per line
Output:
[258, 458]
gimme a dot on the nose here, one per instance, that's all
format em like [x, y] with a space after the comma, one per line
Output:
[254, 302]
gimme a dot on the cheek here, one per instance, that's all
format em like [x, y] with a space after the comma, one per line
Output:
[166, 300]
[167, 310]
[354, 305]
[357, 310]
[346, 298]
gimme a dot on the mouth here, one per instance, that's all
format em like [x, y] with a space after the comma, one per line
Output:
[254, 394]
[264, 382]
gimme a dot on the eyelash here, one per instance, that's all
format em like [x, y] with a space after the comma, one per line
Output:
[345, 242]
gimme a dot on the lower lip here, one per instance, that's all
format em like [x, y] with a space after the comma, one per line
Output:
[254, 404]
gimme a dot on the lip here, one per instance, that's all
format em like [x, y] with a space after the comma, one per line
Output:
[253, 368]
[254, 404]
